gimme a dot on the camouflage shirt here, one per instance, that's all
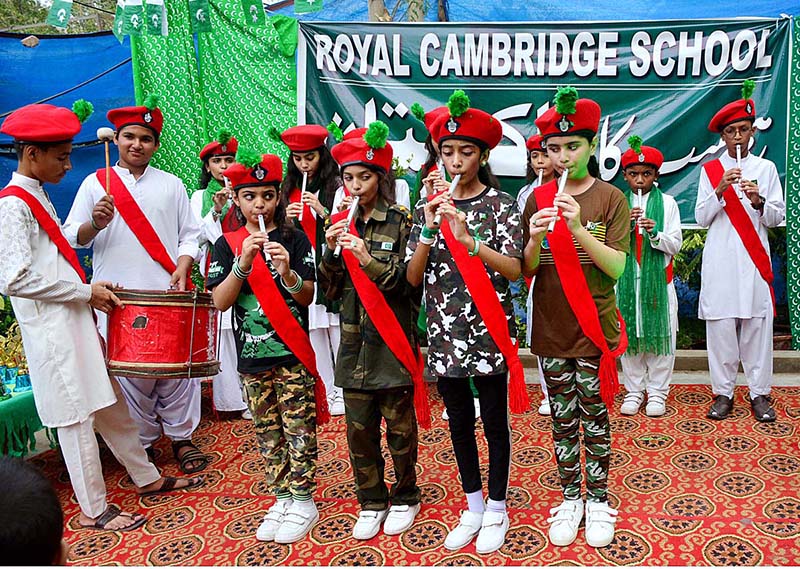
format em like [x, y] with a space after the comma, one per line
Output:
[459, 345]
[365, 361]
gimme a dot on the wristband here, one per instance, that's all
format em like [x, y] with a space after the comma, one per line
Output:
[426, 240]
[653, 234]
[98, 229]
[429, 233]
[298, 286]
[476, 248]
[238, 272]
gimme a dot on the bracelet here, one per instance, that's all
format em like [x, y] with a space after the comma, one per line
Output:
[429, 233]
[94, 226]
[426, 240]
[476, 248]
[298, 286]
[238, 272]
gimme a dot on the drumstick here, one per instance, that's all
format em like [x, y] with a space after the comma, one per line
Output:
[350, 215]
[639, 203]
[302, 191]
[263, 229]
[562, 183]
[105, 134]
[457, 178]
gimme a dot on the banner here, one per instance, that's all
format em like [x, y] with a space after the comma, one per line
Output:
[661, 80]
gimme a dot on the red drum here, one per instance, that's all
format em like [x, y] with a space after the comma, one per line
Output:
[163, 335]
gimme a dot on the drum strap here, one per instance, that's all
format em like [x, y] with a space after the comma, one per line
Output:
[282, 320]
[48, 225]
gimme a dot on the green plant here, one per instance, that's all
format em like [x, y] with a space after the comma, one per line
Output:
[687, 261]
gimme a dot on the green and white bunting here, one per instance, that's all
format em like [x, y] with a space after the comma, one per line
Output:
[254, 13]
[59, 13]
[119, 21]
[307, 6]
[133, 16]
[155, 18]
[200, 16]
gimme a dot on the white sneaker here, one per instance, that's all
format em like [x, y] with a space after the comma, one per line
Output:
[272, 520]
[468, 527]
[477, 404]
[656, 406]
[336, 405]
[400, 518]
[369, 523]
[564, 524]
[600, 520]
[247, 415]
[297, 522]
[493, 532]
[544, 407]
[631, 403]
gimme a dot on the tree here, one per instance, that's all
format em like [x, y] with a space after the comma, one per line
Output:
[28, 16]
[407, 10]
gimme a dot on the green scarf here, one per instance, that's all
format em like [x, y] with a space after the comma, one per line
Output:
[656, 334]
[208, 198]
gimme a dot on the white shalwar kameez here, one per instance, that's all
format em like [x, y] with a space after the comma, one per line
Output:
[735, 301]
[226, 386]
[71, 387]
[645, 371]
[173, 405]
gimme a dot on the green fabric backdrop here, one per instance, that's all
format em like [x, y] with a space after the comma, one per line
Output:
[793, 194]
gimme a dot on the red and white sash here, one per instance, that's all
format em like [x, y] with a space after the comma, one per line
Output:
[309, 222]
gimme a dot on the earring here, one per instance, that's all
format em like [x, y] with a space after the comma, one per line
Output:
[484, 163]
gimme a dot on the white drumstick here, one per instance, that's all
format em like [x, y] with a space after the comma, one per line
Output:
[639, 203]
[302, 191]
[562, 183]
[106, 135]
[457, 178]
[263, 228]
[350, 215]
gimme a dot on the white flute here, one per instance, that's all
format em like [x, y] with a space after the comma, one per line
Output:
[739, 164]
[227, 184]
[302, 191]
[263, 228]
[539, 182]
[350, 215]
[562, 183]
[457, 178]
[639, 202]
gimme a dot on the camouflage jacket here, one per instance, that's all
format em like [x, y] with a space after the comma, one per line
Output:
[365, 361]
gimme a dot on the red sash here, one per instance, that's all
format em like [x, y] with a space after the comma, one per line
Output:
[49, 225]
[283, 321]
[579, 297]
[385, 321]
[743, 225]
[309, 222]
[483, 294]
[668, 270]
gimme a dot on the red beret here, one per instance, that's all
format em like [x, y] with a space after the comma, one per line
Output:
[41, 123]
[215, 148]
[305, 138]
[141, 116]
[536, 142]
[473, 125]
[355, 150]
[743, 109]
[585, 118]
[266, 173]
[355, 133]
[648, 155]
[432, 116]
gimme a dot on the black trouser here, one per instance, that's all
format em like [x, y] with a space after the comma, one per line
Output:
[493, 397]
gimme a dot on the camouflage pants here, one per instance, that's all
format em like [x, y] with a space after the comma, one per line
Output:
[574, 392]
[284, 414]
[363, 413]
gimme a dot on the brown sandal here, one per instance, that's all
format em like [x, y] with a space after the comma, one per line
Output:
[192, 455]
[169, 485]
[112, 513]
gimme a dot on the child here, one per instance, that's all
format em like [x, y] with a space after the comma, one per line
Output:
[276, 362]
[377, 364]
[575, 322]
[539, 171]
[469, 310]
[311, 156]
[738, 205]
[53, 304]
[211, 205]
[645, 291]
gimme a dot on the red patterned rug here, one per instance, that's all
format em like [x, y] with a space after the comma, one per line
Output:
[690, 492]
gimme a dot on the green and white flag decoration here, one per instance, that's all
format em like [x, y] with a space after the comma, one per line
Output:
[307, 6]
[119, 21]
[200, 15]
[155, 16]
[59, 13]
[254, 13]
[133, 14]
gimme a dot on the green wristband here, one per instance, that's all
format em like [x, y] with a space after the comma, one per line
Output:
[476, 248]
[429, 233]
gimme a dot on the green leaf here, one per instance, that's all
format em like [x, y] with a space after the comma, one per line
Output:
[458, 103]
[565, 100]
[376, 135]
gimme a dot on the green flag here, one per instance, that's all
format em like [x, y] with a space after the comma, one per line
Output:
[119, 21]
[133, 14]
[199, 14]
[306, 6]
[254, 12]
[155, 18]
[59, 13]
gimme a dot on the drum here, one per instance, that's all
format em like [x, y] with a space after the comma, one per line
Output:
[162, 335]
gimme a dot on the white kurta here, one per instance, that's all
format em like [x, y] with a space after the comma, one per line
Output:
[650, 371]
[731, 287]
[67, 368]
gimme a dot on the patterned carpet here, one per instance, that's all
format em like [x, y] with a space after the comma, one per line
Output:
[691, 492]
